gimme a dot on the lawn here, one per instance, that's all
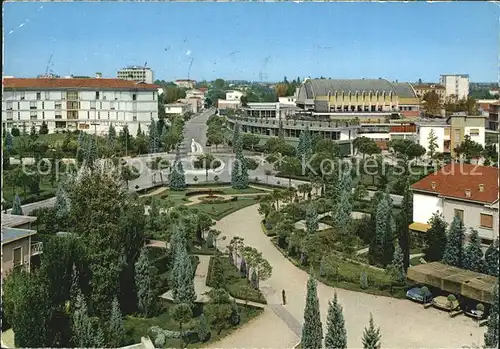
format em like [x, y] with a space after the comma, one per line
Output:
[219, 211]
[138, 327]
[347, 276]
[237, 286]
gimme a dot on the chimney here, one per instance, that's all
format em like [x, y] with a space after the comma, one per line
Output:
[481, 187]
[433, 185]
[467, 193]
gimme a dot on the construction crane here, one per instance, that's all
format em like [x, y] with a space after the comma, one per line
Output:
[48, 64]
[189, 69]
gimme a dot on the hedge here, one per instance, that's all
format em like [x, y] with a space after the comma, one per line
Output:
[265, 230]
[203, 192]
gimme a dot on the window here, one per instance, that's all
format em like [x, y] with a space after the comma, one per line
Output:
[60, 124]
[486, 221]
[43, 105]
[98, 114]
[83, 126]
[72, 115]
[18, 105]
[474, 132]
[456, 134]
[459, 214]
[33, 115]
[96, 94]
[100, 105]
[32, 105]
[155, 97]
[18, 116]
[9, 115]
[72, 95]
[43, 115]
[58, 116]
[38, 96]
[92, 105]
[88, 115]
[58, 106]
[47, 95]
[17, 256]
[22, 95]
[134, 97]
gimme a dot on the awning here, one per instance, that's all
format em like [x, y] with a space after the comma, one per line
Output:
[454, 280]
[421, 227]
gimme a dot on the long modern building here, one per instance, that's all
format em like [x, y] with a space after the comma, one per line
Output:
[90, 105]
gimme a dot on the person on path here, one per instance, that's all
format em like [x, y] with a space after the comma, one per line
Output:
[283, 297]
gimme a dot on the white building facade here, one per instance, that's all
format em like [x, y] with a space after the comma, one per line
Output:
[135, 73]
[89, 105]
[441, 132]
[177, 108]
[456, 85]
[233, 95]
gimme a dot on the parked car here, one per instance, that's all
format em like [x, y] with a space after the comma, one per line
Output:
[449, 303]
[475, 310]
[419, 294]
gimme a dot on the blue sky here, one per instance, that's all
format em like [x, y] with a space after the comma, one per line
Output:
[403, 41]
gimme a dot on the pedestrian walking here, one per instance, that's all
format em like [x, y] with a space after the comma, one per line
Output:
[283, 297]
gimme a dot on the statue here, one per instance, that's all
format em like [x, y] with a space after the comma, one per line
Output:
[193, 146]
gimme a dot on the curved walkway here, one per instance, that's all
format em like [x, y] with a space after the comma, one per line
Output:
[403, 324]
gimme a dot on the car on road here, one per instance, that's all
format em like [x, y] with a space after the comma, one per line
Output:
[420, 294]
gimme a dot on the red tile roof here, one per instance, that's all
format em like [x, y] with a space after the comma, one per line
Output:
[203, 89]
[455, 179]
[61, 83]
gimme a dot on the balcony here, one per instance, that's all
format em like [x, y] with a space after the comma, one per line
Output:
[403, 129]
[36, 248]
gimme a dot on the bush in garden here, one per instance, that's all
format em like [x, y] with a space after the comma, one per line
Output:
[363, 280]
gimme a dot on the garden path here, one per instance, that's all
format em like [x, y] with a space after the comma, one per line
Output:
[403, 324]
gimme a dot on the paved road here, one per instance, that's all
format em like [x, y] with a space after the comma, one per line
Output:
[196, 128]
[403, 324]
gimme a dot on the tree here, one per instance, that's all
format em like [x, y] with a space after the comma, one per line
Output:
[203, 328]
[406, 218]
[473, 255]
[366, 146]
[111, 132]
[239, 173]
[304, 147]
[16, 206]
[219, 309]
[236, 137]
[371, 336]
[435, 238]
[312, 224]
[336, 334]
[81, 323]
[181, 313]
[8, 142]
[250, 140]
[381, 248]
[15, 132]
[491, 259]
[469, 149]
[139, 131]
[177, 179]
[492, 333]
[453, 251]
[129, 173]
[432, 104]
[62, 206]
[43, 128]
[312, 331]
[182, 277]
[396, 269]
[343, 207]
[432, 141]
[146, 298]
[154, 141]
[27, 306]
[116, 331]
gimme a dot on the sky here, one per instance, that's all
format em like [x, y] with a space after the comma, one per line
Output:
[254, 41]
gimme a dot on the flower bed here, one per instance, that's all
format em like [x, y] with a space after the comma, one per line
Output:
[213, 199]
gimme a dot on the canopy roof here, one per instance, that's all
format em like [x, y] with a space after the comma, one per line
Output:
[454, 280]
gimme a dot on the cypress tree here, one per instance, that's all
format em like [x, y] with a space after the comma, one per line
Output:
[81, 324]
[182, 277]
[371, 336]
[406, 220]
[177, 179]
[139, 131]
[116, 328]
[343, 209]
[312, 331]
[236, 137]
[453, 252]
[62, 205]
[281, 132]
[203, 328]
[435, 238]
[397, 270]
[8, 142]
[16, 206]
[153, 137]
[239, 171]
[473, 255]
[312, 224]
[491, 259]
[382, 247]
[491, 335]
[143, 284]
[336, 334]
[111, 132]
[301, 147]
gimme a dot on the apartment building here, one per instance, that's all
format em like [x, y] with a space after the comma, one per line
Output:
[87, 104]
[234, 95]
[467, 191]
[137, 74]
[177, 108]
[441, 131]
[456, 86]
[422, 89]
[18, 245]
[462, 124]
[185, 83]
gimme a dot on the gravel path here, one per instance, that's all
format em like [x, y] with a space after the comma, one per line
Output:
[403, 324]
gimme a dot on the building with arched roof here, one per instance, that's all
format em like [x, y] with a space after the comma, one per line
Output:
[358, 96]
